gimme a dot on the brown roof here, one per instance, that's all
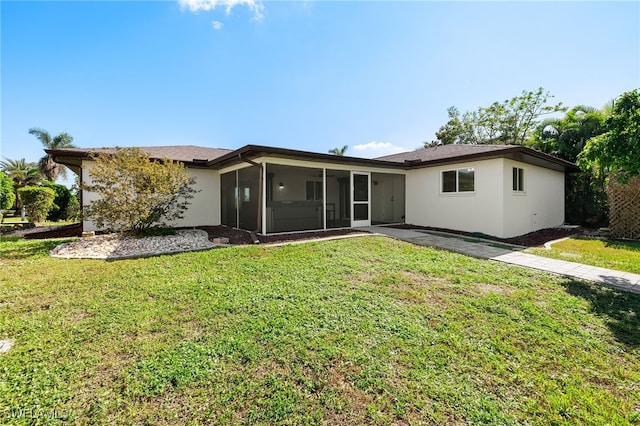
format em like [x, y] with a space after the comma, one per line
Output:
[195, 156]
[445, 154]
[189, 154]
[443, 151]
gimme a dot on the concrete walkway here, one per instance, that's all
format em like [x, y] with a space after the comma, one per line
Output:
[485, 249]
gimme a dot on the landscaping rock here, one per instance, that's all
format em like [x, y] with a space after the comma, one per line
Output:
[115, 246]
[5, 345]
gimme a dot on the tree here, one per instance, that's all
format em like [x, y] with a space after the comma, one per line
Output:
[585, 195]
[508, 122]
[60, 203]
[37, 200]
[339, 151]
[135, 193]
[617, 150]
[7, 193]
[22, 173]
[49, 168]
[566, 137]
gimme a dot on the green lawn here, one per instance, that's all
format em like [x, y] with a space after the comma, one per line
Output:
[17, 220]
[13, 219]
[354, 331]
[612, 254]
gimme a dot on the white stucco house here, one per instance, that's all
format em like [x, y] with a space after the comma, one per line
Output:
[499, 190]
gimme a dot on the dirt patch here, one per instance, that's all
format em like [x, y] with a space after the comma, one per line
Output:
[532, 239]
[408, 287]
[78, 317]
[485, 288]
[420, 288]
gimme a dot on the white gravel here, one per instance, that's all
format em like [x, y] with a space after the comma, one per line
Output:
[114, 246]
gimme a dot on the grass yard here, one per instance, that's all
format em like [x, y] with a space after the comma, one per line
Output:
[612, 254]
[16, 220]
[354, 331]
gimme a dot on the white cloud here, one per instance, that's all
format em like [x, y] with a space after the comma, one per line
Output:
[378, 149]
[216, 25]
[256, 6]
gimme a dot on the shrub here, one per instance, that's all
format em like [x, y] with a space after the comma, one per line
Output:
[60, 202]
[7, 193]
[136, 193]
[73, 209]
[37, 200]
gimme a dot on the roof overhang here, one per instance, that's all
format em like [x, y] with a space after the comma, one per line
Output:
[516, 153]
[73, 158]
[251, 152]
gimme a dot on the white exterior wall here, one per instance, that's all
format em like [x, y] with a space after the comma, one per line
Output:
[203, 210]
[539, 206]
[478, 211]
[87, 197]
[205, 205]
[493, 208]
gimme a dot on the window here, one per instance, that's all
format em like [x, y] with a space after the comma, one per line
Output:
[461, 180]
[450, 181]
[518, 179]
[314, 191]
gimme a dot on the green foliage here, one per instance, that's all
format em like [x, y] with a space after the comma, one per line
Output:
[22, 173]
[339, 151]
[617, 150]
[585, 195]
[37, 200]
[60, 203]
[72, 212]
[7, 192]
[136, 193]
[507, 122]
[49, 168]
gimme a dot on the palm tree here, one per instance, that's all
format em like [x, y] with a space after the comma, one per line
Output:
[339, 151]
[22, 174]
[49, 168]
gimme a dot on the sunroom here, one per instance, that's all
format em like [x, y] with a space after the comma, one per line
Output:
[275, 196]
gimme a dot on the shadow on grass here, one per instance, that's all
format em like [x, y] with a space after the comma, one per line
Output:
[17, 250]
[620, 308]
[623, 245]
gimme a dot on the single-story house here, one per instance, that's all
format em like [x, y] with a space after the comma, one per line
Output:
[499, 190]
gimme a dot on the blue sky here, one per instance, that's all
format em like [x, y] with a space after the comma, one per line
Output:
[376, 76]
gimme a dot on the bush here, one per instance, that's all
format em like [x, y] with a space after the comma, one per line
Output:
[7, 193]
[37, 200]
[136, 193]
[73, 209]
[60, 202]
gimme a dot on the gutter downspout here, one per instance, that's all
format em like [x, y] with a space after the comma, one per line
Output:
[260, 166]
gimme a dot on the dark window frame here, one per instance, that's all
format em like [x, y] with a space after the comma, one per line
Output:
[450, 181]
[517, 179]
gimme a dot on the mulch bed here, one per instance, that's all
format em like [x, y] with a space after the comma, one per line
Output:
[67, 231]
[532, 239]
[238, 236]
[235, 236]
